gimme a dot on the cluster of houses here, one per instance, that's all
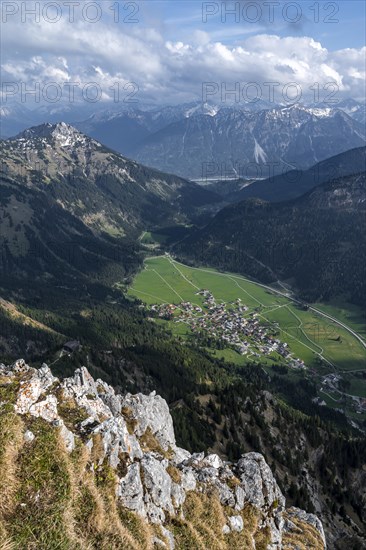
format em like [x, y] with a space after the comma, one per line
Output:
[231, 323]
[165, 311]
[330, 383]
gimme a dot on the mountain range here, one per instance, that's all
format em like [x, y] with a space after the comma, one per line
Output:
[203, 140]
[250, 144]
[71, 215]
[63, 190]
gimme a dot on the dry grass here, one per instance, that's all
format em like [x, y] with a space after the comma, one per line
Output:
[11, 438]
[50, 499]
[149, 442]
[262, 538]
[233, 482]
[174, 473]
[306, 537]
[70, 412]
[97, 452]
[131, 422]
[95, 512]
[12, 310]
[56, 501]
[202, 521]
[142, 532]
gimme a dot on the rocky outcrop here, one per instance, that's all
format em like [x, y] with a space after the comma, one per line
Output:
[133, 435]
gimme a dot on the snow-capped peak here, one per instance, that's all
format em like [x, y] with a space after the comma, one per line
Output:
[321, 113]
[288, 110]
[202, 108]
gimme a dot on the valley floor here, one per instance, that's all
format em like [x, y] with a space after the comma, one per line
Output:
[241, 321]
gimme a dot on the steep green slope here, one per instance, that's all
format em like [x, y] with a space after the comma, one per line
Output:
[41, 239]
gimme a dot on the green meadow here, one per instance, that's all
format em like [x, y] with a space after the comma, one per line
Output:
[311, 337]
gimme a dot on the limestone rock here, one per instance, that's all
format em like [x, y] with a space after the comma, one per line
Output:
[195, 459]
[130, 490]
[151, 411]
[28, 436]
[188, 480]
[154, 513]
[258, 483]
[180, 455]
[169, 536]
[116, 440]
[226, 495]
[236, 523]
[178, 495]
[67, 436]
[32, 387]
[158, 482]
[239, 498]
[213, 461]
[46, 409]
[84, 390]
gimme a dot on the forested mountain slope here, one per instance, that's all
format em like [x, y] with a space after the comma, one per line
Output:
[316, 241]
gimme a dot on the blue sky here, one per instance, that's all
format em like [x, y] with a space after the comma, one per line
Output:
[336, 25]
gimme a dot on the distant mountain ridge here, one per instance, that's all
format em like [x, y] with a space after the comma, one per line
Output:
[250, 144]
[239, 139]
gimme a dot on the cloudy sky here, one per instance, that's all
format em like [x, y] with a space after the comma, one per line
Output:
[168, 51]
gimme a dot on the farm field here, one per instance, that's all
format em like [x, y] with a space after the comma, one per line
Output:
[350, 314]
[323, 345]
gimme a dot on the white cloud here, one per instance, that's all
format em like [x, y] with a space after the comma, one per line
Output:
[106, 54]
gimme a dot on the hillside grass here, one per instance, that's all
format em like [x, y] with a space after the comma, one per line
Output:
[52, 500]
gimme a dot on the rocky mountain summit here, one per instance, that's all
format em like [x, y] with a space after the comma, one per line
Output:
[93, 469]
[109, 193]
[61, 133]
